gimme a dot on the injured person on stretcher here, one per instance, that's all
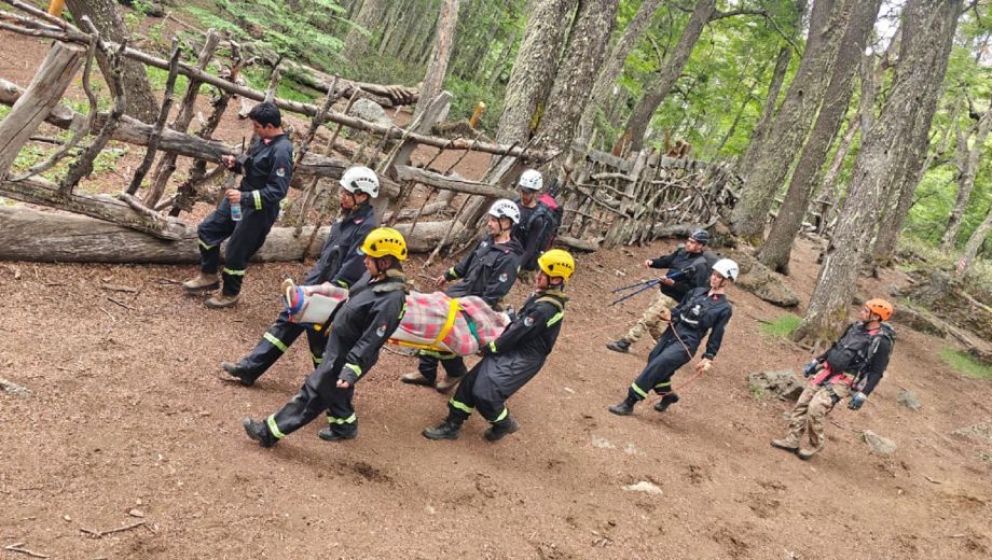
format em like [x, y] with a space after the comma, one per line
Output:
[433, 322]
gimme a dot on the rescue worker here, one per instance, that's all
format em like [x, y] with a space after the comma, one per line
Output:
[267, 167]
[358, 329]
[702, 311]
[686, 270]
[851, 367]
[487, 272]
[533, 228]
[514, 358]
[340, 263]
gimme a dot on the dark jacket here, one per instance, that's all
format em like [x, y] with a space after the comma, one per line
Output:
[488, 271]
[699, 313]
[267, 172]
[863, 353]
[693, 269]
[340, 262]
[532, 232]
[363, 324]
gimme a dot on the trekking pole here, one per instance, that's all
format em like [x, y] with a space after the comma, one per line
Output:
[646, 286]
[651, 281]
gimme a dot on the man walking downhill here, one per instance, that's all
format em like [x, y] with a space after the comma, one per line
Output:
[702, 311]
[852, 366]
[686, 270]
[487, 272]
[514, 358]
[358, 329]
[340, 263]
[267, 167]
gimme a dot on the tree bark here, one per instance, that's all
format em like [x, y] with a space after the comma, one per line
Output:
[533, 70]
[441, 54]
[590, 33]
[141, 102]
[356, 42]
[775, 252]
[967, 171]
[767, 112]
[928, 31]
[775, 155]
[975, 242]
[613, 65]
[656, 92]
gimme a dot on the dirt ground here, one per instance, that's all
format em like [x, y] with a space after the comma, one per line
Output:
[128, 423]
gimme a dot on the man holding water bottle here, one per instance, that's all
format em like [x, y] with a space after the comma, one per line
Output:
[246, 214]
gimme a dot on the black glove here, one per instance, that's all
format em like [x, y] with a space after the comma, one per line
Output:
[811, 368]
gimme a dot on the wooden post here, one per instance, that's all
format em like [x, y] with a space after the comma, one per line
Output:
[44, 93]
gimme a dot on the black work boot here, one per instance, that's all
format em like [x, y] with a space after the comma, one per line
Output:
[621, 345]
[445, 430]
[237, 373]
[624, 408]
[666, 401]
[330, 434]
[259, 432]
[502, 428]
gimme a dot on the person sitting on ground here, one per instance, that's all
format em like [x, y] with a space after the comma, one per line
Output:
[687, 270]
[515, 357]
[358, 329]
[340, 263]
[702, 311]
[851, 367]
[488, 272]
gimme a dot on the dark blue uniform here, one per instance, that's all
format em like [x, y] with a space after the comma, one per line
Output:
[487, 272]
[340, 263]
[267, 172]
[695, 272]
[533, 231]
[698, 314]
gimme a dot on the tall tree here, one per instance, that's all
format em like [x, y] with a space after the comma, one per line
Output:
[356, 42]
[534, 69]
[587, 41]
[141, 102]
[768, 109]
[772, 160]
[440, 55]
[928, 30]
[613, 65]
[776, 250]
[966, 160]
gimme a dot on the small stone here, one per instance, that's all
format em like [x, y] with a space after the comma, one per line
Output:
[643, 486]
[602, 443]
[570, 390]
[430, 509]
[784, 384]
[138, 502]
[877, 443]
[909, 399]
[67, 518]
[136, 513]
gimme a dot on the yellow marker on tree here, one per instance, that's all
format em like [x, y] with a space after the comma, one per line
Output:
[477, 115]
[55, 7]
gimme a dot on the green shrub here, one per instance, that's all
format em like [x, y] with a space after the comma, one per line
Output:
[964, 363]
[782, 326]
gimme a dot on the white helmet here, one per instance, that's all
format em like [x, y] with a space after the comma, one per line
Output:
[360, 179]
[726, 268]
[505, 208]
[531, 180]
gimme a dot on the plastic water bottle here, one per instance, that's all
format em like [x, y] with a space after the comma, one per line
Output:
[236, 211]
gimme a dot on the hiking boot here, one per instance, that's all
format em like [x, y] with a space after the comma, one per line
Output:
[259, 432]
[237, 373]
[328, 434]
[785, 444]
[416, 378]
[202, 283]
[806, 454]
[447, 384]
[666, 401]
[444, 430]
[620, 345]
[624, 408]
[498, 430]
[222, 301]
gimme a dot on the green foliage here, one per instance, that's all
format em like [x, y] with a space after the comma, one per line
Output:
[964, 363]
[157, 78]
[783, 326]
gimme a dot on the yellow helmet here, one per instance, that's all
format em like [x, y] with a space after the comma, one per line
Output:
[385, 241]
[557, 263]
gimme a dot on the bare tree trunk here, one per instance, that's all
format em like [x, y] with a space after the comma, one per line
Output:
[777, 248]
[775, 155]
[767, 112]
[141, 102]
[533, 70]
[590, 33]
[356, 42]
[656, 92]
[967, 171]
[928, 31]
[440, 56]
[613, 65]
[975, 243]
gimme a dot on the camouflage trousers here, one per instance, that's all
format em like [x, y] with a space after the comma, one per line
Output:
[650, 322]
[811, 411]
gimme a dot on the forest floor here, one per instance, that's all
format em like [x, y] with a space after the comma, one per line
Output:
[127, 423]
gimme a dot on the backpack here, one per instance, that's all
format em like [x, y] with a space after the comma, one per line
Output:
[549, 207]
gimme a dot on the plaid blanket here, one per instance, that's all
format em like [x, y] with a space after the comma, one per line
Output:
[476, 324]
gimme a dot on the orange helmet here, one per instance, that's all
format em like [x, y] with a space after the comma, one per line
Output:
[880, 307]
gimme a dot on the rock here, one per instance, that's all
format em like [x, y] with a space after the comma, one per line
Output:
[643, 486]
[136, 513]
[982, 430]
[12, 388]
[762, 282]
[369, 111]
[909, 399]
[602, 443]
[877, 443]
[784, 384]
